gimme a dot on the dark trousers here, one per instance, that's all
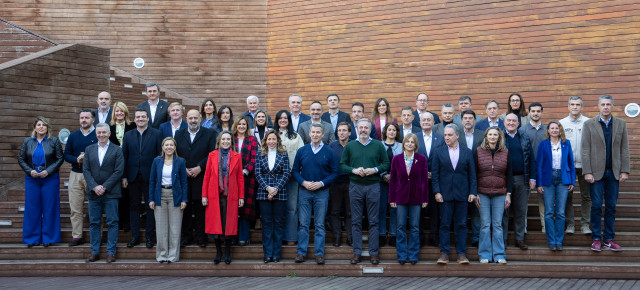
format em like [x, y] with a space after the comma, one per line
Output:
[433, 212]
[193, 219]
[273, 212]
[137, 190]
[456, 211]
[123, 210]
[604, 190]
[339, 192]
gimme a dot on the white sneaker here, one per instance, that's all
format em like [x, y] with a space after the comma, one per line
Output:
[502, 261]
[586, 230]
[542, 230]
[571, 230]
[484, 261]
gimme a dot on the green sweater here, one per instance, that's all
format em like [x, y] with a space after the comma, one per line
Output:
[356, 155]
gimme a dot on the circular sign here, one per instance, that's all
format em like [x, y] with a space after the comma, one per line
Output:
[63, 136]
[138, 62]
[632, 110]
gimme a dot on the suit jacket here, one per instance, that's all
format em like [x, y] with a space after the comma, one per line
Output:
[437, 140]
[416, 118]
[458, 119]
[138, 156]
[248, 115]
[108, 174]
[276, 177]
[303, 118]
[196, 153]
[178, 181]
[414, 130]
[412, 188]
[354, 132]
[594, 147]
[378, 128]
[162, 113]
[305, 128]
[166, 128]
[439, 128]
[454, 184]
[478, 136]
[483, 125]
[342, 117]
[107, 120]
[544, 160]
[113, 139]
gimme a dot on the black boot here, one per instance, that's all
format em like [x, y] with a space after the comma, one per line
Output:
[227, 251]
[218, 251]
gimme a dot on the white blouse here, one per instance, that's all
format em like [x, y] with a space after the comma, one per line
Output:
[166, 174]
[556, 155]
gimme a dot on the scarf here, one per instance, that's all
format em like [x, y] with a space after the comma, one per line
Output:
[224, 158]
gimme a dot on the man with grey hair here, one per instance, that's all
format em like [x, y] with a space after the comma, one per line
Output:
[448, 110]
[252, 105]
[493, 111]
[103, 113]
[573, 125]
[297, 117]
[604, 134]
[157, 109]
[364, 159]
[316, 114]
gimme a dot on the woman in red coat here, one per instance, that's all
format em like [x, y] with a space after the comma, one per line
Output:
[223, 194]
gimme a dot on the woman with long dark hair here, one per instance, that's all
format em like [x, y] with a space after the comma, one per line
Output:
[224, 119]
[381, 116]
[208, 111]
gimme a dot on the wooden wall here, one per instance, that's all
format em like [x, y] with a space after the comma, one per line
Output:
[16, 42]
[56, 83]
[195, 48]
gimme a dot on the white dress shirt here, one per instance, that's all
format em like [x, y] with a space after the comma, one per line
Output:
[102, 151]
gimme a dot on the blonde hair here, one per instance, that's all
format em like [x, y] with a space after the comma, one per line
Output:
[265, 149]
[234, 127]
[499, 145]
[122, 107]
[174, 144]
[46, 123]
[412, 137]
[562, 136]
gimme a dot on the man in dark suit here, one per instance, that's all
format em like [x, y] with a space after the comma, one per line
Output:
[102, 170]
[194, 145]
[169, 128]
[471, 139]
[334, 116]
[295, 108]
[422, 101]
[447, 112]
[493, 111]
[454, 184]
[407, 122]
[157, 109]
[305, 128]
[252, 105]
[428, 141]
[357, 113]
[103, 113]
[139, 147]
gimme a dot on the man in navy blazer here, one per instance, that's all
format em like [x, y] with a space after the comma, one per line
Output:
[169, 128]
[454, 184]
[157, 109]
[422, 101]
[406, 116]
[139, 147]
[102, 170]
[295, 108]
[493, 111]
[334, 116]
[357, 113]
[194, 144]
[428, 141]
[471, 138]
[103, 113]
[253, 104]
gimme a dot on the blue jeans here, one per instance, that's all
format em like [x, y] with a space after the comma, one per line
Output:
[110, 207]
[41, 223]
[318, 201]
[272, 216]
[364, 197]
[291, 219]
[491, 244]
[243, 230]
[606, 188]
[555, 200]
[455, 211]
[413, 211]
[382, 216]
[474, 215]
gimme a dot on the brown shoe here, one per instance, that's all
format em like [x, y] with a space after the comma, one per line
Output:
[320, 259]
[93, 258]
[444, 259]
[291, 243]
[111, 258]
[521, 245]
[375, 259]
[356, 259]
[462, 259]
[299, 258]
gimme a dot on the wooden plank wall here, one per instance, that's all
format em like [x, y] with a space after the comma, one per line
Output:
[16, 42]
[57, 85]
[546, 49]
[196, 48]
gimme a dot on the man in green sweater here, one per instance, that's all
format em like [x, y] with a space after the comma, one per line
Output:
[363, 159]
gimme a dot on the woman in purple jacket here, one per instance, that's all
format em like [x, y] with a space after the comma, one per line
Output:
[408, 192]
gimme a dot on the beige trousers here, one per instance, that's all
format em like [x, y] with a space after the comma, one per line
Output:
[77, 189]
[168, 227]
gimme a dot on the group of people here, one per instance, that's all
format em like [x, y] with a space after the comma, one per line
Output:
[213, 176]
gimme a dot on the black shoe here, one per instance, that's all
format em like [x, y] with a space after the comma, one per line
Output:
[218, 252]
[356, 259]
[392, 241]
[349, 243]
[202, 243]
[76, 242]
[185, 243]
[275, 260]
[299, 258]
[161, 261]
[382, 240]
[227, 251]
[402, 262]
[133, 242]
[434, 242]
[267, 260]
[474, 244]
[149, 244]
[414, 262]
[31, 245]
[46, 245]
[336, 243]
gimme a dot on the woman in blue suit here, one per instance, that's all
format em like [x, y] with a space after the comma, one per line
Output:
[40, 158]
[168, 198]
[556, 178]
[272, 174]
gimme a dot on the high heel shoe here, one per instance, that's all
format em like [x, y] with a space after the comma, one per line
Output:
[227, 251]
[218, 252]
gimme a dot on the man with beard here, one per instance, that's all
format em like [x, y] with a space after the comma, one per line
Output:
[471, 139]
[103, 113]
[334, 115]
[536, 131]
